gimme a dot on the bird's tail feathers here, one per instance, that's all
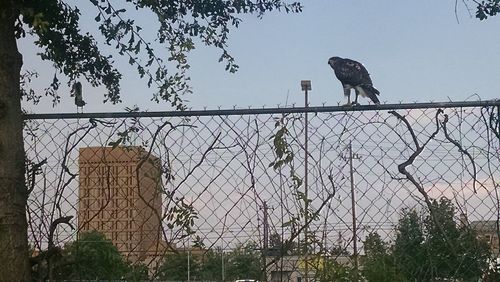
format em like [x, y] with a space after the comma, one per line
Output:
[372, 93]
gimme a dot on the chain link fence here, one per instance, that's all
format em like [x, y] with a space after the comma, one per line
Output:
[317, 206]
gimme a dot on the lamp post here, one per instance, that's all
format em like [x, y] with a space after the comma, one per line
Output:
[306, 87]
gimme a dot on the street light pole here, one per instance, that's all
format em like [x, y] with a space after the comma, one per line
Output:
[306, 86]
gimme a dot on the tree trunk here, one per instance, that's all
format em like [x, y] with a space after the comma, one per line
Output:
[14, 257]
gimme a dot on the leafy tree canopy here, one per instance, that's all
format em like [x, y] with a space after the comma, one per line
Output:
[453, 251]
[378, 264]
[331, 270]
[92, 257]
[242, 262]
[55, 25]
[176, 266]
[409, 240]
[428, 247]
[487, 9]
[211, 265]
[278, 246]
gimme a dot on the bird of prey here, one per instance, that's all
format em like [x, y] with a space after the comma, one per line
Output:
[76, 92]
[353, 74]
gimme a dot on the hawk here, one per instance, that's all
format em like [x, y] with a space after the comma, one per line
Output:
[353, 74]
[76, 92]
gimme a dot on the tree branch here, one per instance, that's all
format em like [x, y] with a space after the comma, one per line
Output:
[409, 176]
[463, 151]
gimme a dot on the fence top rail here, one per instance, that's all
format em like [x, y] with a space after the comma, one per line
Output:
[258, 111]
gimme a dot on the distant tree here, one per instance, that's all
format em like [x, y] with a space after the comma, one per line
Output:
[338, 250]
[475, 255]
[374, 245]
[331, 270]
[275, 244]
[244, 262]
[453, 252]
[378, 264]
[137, 272]
[175, 266]
[211, 265]
[280, 247]
[91, 257]
[327, 268]
[409, 251]
[431, 249]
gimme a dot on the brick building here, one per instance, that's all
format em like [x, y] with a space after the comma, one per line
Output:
[119, 195]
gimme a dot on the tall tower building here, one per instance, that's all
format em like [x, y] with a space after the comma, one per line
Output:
[119, 195]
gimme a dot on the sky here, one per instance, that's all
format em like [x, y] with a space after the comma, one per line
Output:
[415, 51]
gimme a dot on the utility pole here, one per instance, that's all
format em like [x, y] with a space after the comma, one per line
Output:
[265, 249]
[353, 206]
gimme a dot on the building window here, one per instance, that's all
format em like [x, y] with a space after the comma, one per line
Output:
[114, 180]
[85, 203]
[122, 203]
[129, 169]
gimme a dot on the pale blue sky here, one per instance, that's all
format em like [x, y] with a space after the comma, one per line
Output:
[414, 50]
